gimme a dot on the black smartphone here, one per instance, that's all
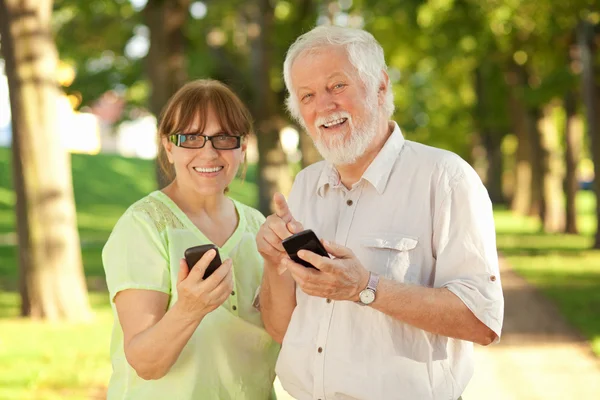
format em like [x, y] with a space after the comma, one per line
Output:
[305, 240]
[194, 254]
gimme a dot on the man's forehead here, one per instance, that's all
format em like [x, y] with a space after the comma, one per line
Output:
[331, 51]
[337, 64]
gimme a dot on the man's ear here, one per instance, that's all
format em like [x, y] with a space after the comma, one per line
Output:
[168, 146]
[384, 86]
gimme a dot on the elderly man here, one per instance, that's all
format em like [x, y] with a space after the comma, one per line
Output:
[413, 279]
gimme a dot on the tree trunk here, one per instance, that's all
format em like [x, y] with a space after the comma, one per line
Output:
[491, 141]
[538, 162]
[165, 62]
[586, 48]
[528, 199]
[522, 195]
[572, 151]
[552, 169]
[274, 172]
[493, 174]
[51, 276]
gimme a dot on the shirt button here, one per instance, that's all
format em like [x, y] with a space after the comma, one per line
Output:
[329, 300]
[320, 349]
[234, 308]
[233, 292]
[349, 202]
[493, 278]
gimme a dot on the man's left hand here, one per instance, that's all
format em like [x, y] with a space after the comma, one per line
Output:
[341, 278]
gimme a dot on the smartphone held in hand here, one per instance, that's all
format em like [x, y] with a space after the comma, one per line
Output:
[305, 240]
[194, 254]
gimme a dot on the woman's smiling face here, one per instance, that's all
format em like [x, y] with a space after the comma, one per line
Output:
[206, 171]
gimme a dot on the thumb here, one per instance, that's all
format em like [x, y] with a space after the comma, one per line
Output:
[337, 250]
[184, 271]
[281, 208]
[202, 264]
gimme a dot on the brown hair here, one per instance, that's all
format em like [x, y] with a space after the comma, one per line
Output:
[191, 103]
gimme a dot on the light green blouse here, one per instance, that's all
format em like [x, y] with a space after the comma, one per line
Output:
[230, 355]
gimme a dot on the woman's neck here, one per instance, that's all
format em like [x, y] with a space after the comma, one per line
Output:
[193, 203]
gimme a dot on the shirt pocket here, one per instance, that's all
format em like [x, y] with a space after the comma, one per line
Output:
[393, 254]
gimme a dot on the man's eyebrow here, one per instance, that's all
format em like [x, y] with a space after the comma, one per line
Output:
[333, 75]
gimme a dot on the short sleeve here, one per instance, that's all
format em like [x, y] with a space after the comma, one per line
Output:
[465, 247]
[135, 257]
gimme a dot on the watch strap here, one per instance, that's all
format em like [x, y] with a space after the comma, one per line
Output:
[373, 281]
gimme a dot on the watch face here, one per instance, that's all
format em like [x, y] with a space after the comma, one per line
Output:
[367, 296]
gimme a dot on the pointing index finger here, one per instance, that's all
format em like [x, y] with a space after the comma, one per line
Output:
[281, 208]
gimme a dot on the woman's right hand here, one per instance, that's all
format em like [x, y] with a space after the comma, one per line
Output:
[198, 297]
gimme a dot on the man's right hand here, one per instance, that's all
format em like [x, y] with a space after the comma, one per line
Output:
[277, 227]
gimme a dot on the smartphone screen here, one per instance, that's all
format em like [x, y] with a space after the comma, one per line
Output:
[194, 254]
[305, 240]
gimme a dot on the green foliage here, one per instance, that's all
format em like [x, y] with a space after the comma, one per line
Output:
[92, 36]
[433, 48]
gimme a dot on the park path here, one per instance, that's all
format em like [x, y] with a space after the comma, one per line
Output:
[540, 357]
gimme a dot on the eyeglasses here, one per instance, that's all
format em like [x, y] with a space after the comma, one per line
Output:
[198, 141]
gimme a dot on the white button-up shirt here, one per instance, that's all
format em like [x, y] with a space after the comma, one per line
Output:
[419, 215]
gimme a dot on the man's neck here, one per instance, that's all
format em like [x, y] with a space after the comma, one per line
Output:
[351, 173]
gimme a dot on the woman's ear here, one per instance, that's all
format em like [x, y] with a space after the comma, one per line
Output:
[168, 146]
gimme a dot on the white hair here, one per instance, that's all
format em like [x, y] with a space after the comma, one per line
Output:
[364, 53]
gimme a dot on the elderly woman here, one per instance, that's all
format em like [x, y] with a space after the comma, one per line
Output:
[177, 335]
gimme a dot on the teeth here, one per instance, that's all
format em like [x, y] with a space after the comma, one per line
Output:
[215, 169]
[335, 122]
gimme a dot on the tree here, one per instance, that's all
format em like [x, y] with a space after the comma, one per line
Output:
[572, 151]
[165, 63]
[51, 277]
[589, 91]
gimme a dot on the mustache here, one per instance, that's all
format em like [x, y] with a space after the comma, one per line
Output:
[332, 117]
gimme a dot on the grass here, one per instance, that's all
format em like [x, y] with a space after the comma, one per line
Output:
[562, 266]
[70, 361]
[54, 361]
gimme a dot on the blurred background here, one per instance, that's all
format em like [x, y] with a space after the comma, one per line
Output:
[512, 86]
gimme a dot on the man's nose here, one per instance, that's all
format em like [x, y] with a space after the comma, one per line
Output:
[325, 102]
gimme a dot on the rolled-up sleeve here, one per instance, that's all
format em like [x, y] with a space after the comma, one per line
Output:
[464, 244]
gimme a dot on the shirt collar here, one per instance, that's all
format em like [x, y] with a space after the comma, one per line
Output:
[377, 173]
[329, 177]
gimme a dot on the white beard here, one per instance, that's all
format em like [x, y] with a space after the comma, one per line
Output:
[344, 149]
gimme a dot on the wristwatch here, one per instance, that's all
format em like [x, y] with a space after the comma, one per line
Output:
[367, 295]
